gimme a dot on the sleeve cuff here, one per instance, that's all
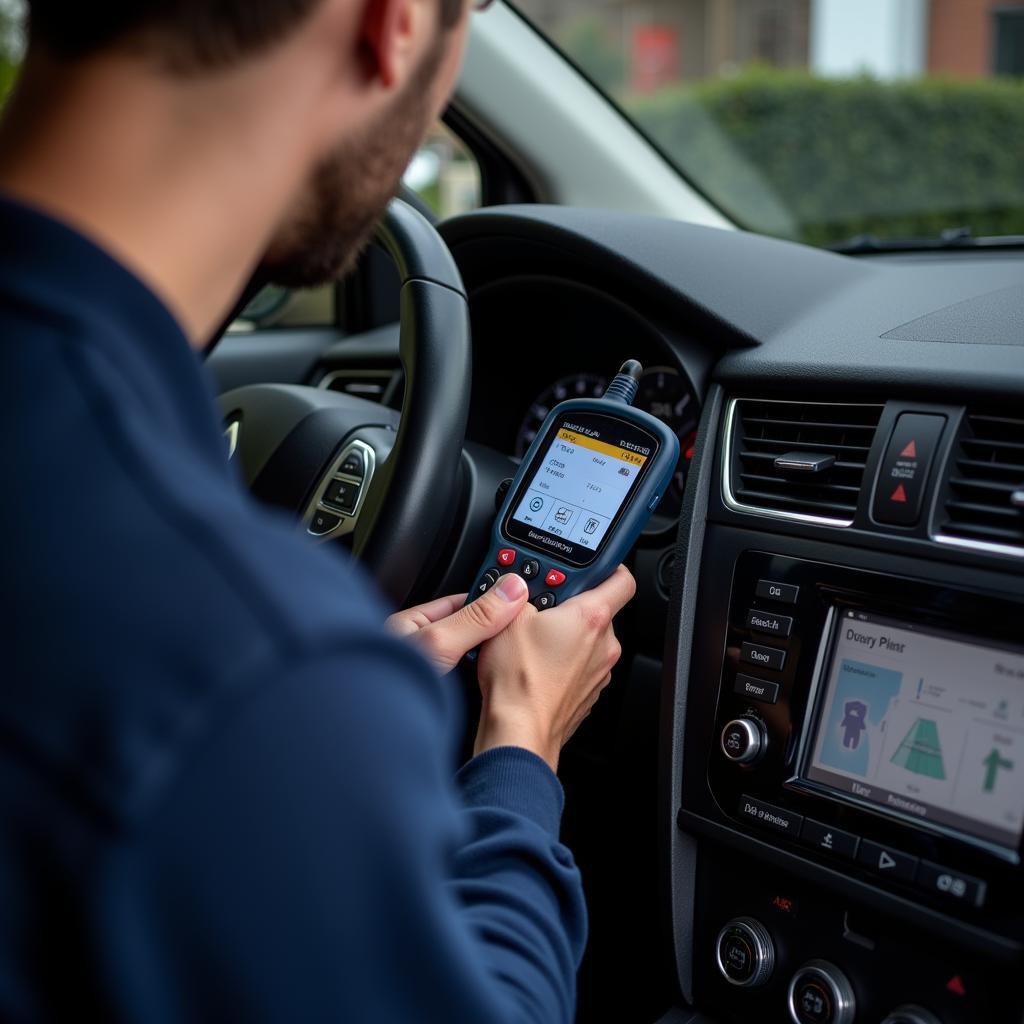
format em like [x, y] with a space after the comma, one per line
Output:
[516, 780]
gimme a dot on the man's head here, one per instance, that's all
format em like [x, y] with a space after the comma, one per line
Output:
[396, 65]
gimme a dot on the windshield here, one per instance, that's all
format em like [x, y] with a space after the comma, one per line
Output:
[821, 120]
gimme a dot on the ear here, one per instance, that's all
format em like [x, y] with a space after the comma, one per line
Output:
[389, 38]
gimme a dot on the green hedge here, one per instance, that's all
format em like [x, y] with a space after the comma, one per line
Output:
[821, 160]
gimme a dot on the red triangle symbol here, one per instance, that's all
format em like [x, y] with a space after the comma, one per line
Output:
[910, 452]
[956, 985]
[899, 494]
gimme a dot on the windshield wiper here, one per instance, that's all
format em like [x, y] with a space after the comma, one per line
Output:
[950, 238]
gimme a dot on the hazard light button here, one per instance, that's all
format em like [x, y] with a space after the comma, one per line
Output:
[903, 475]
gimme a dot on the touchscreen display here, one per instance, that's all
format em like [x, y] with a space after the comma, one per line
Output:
[579, 483]
[926, 723]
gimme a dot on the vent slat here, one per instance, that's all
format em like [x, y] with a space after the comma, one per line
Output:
[989, 467]
[765, 430]
[809, 486]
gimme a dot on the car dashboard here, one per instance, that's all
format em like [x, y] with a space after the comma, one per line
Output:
[827, 615]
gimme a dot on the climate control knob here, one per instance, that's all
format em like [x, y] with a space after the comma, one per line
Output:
[744, 953]
[743, 740]
[911, 1015]
[821, 994]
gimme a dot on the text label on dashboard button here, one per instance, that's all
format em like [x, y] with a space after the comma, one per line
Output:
[784, 593]
[769, 623]
[757, 689]
[770, 816]
[766, 657]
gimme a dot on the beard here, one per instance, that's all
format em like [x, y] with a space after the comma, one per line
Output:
[335, 218]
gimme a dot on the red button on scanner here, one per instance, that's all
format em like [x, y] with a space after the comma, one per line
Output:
[507, 557]
[554, 578]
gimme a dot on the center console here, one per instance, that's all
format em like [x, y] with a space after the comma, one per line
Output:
[851, 781]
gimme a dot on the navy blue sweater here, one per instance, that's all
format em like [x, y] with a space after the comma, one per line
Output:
[226, 793]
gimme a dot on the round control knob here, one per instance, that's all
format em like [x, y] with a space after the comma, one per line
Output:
[742, 740]
[911, 1015]
[744, 952]
[820, 994]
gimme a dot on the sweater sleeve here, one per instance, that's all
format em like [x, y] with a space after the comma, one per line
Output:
[316, 861]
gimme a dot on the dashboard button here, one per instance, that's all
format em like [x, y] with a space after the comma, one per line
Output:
[886, 861]
[342, 494]
[742, 740]
[489, 578]
[554, 578]
[353, 465]
[530, 569]
[544, 602]
[830, 840]
[765, 657]
[323, 522]
[955, 886]
[507, 557]
[757, 689]
[769, 623]
[784, 593]
[744, 953]
[770, 816]
[903, 473]
[821, 994]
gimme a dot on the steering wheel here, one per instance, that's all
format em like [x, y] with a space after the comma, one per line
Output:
[348, 467]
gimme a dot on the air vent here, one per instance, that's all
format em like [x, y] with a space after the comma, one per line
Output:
[373, 385]
[799, 460]
[985, 486]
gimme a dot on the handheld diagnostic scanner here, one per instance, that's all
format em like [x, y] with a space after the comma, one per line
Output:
[584, 491]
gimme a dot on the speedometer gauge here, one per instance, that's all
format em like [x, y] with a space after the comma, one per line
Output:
[579, 385]
[667, 394]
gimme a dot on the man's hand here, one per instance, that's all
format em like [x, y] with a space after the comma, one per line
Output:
[541, 677]
[446, 629]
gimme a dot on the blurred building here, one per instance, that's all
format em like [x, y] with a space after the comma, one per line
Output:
[651, 43]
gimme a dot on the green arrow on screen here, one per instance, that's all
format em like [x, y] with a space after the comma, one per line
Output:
[992, 764]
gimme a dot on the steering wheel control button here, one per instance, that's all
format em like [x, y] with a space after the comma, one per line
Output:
[507, 557]
[323, 523]
[342, 494]
[886, 861]
[554, 578]
[352, 465]
[544, 601]
[765, 657]
[530, 569]
[953, 886]
[769, 816]
[769, 623]
[487, 581]
[744, 953]
[784, 593]
[821, 994]
[742, 740]
[830, 840]
[756, 689]
[899, 492]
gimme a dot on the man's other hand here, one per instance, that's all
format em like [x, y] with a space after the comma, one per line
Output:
[541, 676]
[445, 630]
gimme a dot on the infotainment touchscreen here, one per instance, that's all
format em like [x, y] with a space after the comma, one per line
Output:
[924, 723]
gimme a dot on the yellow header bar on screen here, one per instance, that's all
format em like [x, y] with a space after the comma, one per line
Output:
[602, 447]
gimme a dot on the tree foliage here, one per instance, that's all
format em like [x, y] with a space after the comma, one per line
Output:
[821, 160]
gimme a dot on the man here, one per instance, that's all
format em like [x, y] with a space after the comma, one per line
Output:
[226, 788]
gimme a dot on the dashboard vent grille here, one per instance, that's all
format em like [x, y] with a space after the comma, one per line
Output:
[985, 487]
[839, 437]
[373, 385]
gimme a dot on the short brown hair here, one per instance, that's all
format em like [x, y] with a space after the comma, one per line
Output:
[192, 34]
